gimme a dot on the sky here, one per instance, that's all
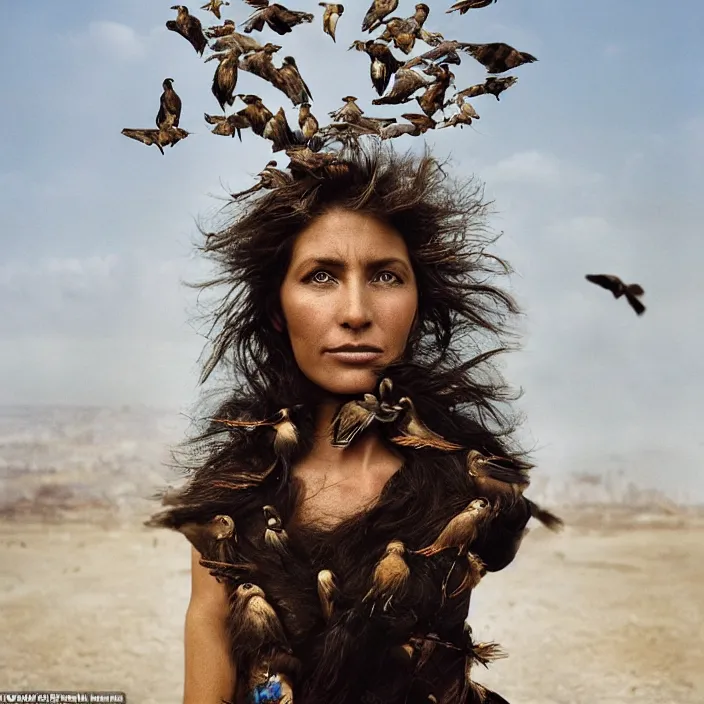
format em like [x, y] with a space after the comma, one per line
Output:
[594, 161]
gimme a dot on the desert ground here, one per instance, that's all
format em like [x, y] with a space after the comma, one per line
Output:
[611, 610]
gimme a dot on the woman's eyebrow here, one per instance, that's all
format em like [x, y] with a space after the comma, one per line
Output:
[340, 264]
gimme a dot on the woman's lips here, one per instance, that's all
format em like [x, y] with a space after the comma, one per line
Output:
[350, 357]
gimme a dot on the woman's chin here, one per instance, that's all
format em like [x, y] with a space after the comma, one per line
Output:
[349, 383]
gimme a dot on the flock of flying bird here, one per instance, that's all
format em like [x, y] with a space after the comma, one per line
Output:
[425, 78]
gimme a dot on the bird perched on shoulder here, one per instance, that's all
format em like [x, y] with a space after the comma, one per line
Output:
[498, 57]
[618, 288]
[466, 5]
[376, 13]
[383, 63]
[169, 106]
[188, 27]
[461, 531]
[279, 18]
[333, 12]
[214, 6]
[390, 574]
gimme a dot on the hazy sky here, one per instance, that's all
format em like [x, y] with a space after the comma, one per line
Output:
[595, 160]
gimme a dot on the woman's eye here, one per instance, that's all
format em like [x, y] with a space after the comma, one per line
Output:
[391, 274]
[318, 280]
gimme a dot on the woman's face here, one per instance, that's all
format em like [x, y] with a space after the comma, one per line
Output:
[349, 282]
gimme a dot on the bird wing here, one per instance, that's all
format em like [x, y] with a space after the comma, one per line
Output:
[607, 281]
[259, 4]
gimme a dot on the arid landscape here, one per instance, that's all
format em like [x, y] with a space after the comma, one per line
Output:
[610, 610]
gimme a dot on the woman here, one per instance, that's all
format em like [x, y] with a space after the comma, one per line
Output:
[343, 503]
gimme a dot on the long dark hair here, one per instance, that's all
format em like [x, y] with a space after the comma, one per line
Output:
[464, 320]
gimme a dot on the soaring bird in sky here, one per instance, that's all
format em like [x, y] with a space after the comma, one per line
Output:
[466, 5]
[279, 18]
[188, 27]
[618, 288]
[160, 138]
[225, 77]
[498, 57]
[332, 14]
[383, 63]
[169, 106]
[214, 7]
[378, 10]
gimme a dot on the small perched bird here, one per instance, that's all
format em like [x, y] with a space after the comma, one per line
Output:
[464, 117]
[492, 480]
[286, 433]
[288, 80]
[188, 27]
[261, 63]
[274, 534]
[406, 82]
[258, 626]
[352, 418]
[307, 121]
[205, 536]
[225, 77]
[493, 85]
[498, 57]
[333, 12]
[214, 7]
[227, 126]
[270, 177]
[327, 591]
[169, 106]
[279, 18]
[612, 283]
[414, 433]
[160, 138]
[257, 114]
[466, 5]
[461, 531]
[220, 30]
[383, 63]
[390, 574]
[376, 13]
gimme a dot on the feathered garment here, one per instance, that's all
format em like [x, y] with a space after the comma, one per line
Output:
[372, 610]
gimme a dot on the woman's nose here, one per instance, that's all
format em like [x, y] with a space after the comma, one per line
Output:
[355, 306]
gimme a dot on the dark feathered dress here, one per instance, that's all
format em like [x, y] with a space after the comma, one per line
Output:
[340, 616]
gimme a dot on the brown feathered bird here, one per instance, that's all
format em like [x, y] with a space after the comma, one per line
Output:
[159, 138]
[376, 13]
[398, 130]
[390, 574]
[279, 18]
[414, 432]
[261, 63]
[404, 32]
[169, 106]
[235, 40]
[214, 7]
[307, 122]
[279, 132]
[285, 432]
[227, 126]
[493, 85]
[406, 83]
[466, 5]
[464, 117]
[205, 537]
[493, 481]
[618, 288]
[461, 531]
[225, 77]
[258, 626]
[220, 30]
[257, 114]
[269, 177]
[498, 57]
[383, 63]
[327, 592]
[188, 27]
[288, 80]
[274, 534]
[352, 114]
[433, 98]
[331, 16]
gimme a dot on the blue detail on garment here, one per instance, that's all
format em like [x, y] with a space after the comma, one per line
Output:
[268, 693]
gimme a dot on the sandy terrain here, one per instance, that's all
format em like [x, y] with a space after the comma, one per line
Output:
[605, 612]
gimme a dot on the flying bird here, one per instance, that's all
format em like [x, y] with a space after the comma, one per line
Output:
[406, 82]
[332, 14]
[383, 63]
[612, 283]
[318, 164]
[269, 178]
[433, 99]
[288, 80]
[160, 138]
[188, 27]
[214, 7]
[225, 77]
[376, 13]
[404, 32]
[350, 113]
[466, 5]
[169, 106]
[227, 126]
[220, 30]
[279, 18]
[493, 85]
[261, 63]
[498, 57]
[279, 132]
[257, 114]
[464, 117]
[307, 121]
